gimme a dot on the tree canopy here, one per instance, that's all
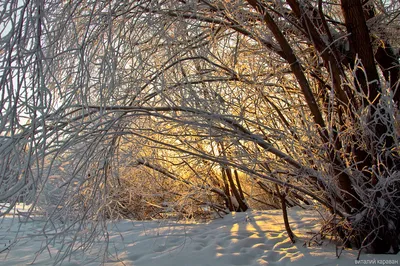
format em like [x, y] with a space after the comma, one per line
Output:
[224, 104]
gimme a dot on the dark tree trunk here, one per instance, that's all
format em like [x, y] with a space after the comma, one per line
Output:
[242, 206]
[361, 46]
[282, 197]
[239, 185]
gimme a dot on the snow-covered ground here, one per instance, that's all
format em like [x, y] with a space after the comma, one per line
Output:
[250, 238]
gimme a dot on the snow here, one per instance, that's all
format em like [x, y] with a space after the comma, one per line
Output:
[249, 238]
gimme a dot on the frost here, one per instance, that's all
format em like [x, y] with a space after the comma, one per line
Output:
[382, 202]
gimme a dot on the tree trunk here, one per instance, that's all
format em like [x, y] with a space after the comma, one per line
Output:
[361, 47]
[285, 215]
[243, 207]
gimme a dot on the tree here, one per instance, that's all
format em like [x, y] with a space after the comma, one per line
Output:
[300, 94]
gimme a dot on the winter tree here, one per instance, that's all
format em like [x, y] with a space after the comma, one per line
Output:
[200, 102]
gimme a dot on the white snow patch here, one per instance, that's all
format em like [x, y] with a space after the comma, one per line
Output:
[249, 238]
